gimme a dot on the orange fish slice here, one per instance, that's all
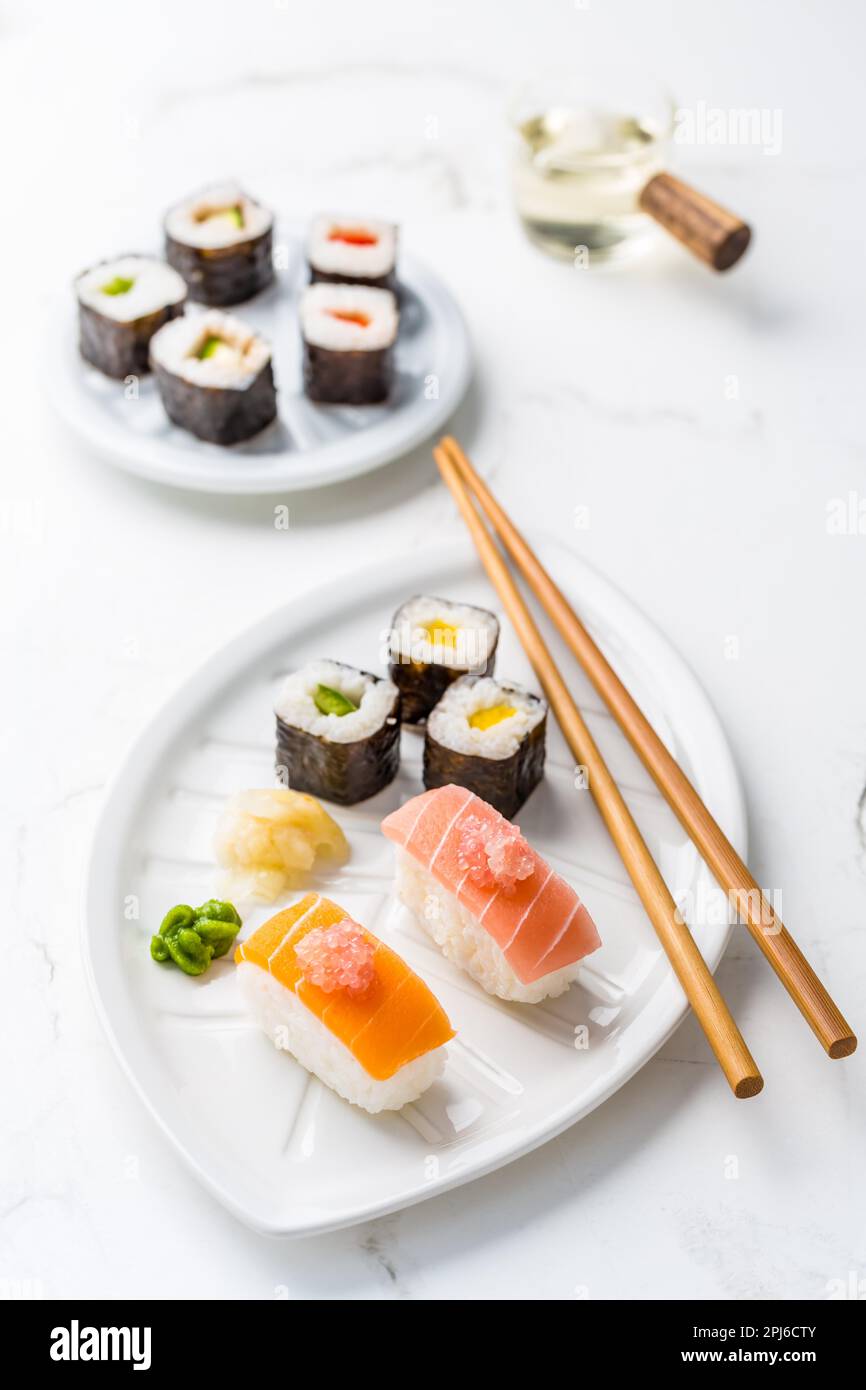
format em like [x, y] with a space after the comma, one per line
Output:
[394, 1020]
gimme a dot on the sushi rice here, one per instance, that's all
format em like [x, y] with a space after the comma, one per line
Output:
[152, 286]
[203, 221]
[344, 1004]
[296, 705]
[338, 732]
[348, 318]
[348, 334]
[465, 943]
[488, 735]
[420, 625]
[351, 248]
[236, 362]
[431, 643]
[449, 722]
[491, 903]
[214, 376]
[122, 304]
[221, 242]
[292, 1028]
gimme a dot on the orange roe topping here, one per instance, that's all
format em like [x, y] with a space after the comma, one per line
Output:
[337, 957]
[353, 236]
[497, 856]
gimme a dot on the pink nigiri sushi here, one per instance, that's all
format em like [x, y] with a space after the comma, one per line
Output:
[492, 905]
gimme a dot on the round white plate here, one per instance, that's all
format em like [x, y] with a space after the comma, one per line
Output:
[309, 445]
[274, 1145]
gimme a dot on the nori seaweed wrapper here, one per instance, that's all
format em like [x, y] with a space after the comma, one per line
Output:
[221, 275]
[504, 783]
[341, 772]
[120, 349]
[422, 684]
[358, 377]
[218, 414]
[372, 282]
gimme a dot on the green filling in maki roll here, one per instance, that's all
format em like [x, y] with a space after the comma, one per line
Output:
[209, 347]
[121, 305]
[215, 377]
[221, 242]
[328, 701]
[233, 217]
[120, 284]
[338, 732]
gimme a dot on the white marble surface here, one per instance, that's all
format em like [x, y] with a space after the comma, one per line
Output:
[609, 391]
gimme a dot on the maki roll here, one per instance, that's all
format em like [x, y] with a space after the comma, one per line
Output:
[215, 377]
[345, 1005]
[338, 732]
[432, 642]
[220, 241]
[491, 903]
[352, 251]
[349, 335]
[121, 304]
[487, 735]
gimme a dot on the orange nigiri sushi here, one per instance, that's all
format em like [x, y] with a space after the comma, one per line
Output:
[344, 1004]
[492, 905]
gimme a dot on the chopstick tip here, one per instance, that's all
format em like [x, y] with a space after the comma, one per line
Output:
[749, 1086]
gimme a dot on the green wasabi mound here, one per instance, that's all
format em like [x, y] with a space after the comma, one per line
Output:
[194, 936]
[119, 285]
[328, 701]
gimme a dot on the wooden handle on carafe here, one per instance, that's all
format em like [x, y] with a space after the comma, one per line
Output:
[709, 231]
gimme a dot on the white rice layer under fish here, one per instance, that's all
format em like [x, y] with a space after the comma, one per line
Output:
[293, 1028]
[465, 942]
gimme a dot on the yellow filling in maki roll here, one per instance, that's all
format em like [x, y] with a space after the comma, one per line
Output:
[442, 634]
[486, 718]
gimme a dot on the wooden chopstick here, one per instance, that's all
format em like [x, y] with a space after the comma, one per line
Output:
[701, 990]
[744, 893]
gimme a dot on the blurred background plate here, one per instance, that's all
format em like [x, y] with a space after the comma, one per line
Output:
[309, 445]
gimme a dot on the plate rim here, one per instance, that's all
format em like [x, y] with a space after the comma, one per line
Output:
[65, 397]
[667, 1001]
